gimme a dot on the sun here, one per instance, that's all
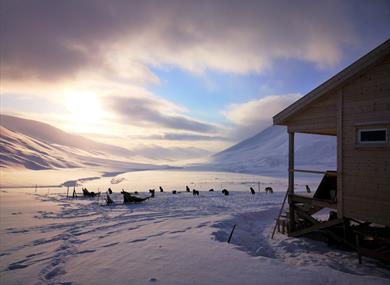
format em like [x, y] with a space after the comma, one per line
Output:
[84, 110]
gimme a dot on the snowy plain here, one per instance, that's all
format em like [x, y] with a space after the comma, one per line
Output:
[47, 238]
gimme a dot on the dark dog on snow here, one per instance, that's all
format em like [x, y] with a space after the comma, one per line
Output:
[109, 201]
[188, 189]
[109, 191]
[269, 190]
[152, 191]
[252, 191]
[195, 192]
[174, 191]
[225, 192]
[211, 190]
[161, 189]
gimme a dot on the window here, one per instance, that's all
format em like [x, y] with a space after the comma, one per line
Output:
[372, 136]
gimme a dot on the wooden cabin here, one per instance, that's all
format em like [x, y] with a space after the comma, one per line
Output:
[354, 106]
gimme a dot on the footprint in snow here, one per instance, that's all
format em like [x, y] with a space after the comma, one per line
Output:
[111, 244]
[134, 228]
[202, 225]
[19, 231]
[34, 254]
[137, 240]
[59, 270]
[179, 231]
[16, 265]
[86, 251]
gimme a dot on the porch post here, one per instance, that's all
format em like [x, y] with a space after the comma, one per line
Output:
[339, 133]
[291, 217]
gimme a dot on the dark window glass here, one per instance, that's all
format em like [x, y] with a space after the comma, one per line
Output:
[373, 136]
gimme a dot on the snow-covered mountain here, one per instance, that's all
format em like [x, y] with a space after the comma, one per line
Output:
[35, 145]
[54, 136]
[18, 150]
[267, 152]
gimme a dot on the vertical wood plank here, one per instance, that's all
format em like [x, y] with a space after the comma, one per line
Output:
[291, 180]
[340, 154]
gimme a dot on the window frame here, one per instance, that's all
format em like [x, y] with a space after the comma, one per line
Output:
[366, 129]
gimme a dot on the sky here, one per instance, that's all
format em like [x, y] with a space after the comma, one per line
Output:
[196, 75]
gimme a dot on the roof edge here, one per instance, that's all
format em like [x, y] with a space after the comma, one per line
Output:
[348, 72]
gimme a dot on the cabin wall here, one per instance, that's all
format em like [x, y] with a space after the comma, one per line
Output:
[366, 169]
[320, 117]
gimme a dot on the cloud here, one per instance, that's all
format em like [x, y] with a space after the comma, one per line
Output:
[185, 137]
[253, 116]
[51, 40]
[152, 111]
[156, 152]
[51, 48]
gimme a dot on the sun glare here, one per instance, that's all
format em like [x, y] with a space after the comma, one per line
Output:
[84, 110]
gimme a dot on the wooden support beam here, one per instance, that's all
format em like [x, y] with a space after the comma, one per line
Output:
[384, 256]
[280, 213]
[302, 199]
[291, 181]
[358, 248]
[314, 202]
[316, 227]
[340, 154]
[324, 204]
[301, 213]
[307, 171]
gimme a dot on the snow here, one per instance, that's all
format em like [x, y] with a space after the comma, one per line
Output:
[47, 238]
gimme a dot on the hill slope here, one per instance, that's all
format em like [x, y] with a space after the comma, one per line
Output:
[34, 145]
[21, 151]
[267, 152]
[51, 135]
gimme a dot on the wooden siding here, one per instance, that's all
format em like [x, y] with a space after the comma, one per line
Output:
[366, 168]
[320, 117]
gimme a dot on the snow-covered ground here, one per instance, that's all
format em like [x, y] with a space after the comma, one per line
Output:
[47, 238]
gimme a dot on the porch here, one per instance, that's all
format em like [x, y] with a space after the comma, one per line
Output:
[302, 206]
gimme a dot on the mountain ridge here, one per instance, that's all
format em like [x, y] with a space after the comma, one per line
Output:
[52, 135]
[267, 152]
[145, 153]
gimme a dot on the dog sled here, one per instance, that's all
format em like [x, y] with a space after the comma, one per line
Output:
[130, 199]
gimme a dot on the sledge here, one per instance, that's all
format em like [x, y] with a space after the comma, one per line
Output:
[129, 199]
